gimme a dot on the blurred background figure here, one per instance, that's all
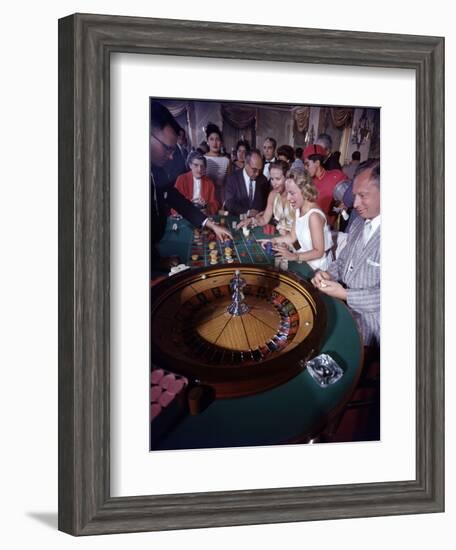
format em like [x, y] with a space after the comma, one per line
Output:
[298, 163]
[242, 148]
[350, 169]
[178, 164]
[286, 153]
[330, 160]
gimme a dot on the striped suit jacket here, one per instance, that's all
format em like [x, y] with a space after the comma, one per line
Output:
[358, 268]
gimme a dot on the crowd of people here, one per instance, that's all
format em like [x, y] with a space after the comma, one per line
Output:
[293, 188]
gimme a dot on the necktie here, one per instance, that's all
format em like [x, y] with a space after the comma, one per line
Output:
[367, 231]
[251, 192]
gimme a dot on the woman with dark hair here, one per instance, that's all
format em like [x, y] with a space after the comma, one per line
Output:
[277, 206]
[309, 228]
[242, 147]
[203, 147]
[217, 163]
[286, 153]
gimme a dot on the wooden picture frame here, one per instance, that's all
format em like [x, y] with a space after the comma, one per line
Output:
[85, 45]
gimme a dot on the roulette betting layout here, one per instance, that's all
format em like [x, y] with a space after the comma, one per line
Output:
[244, 248]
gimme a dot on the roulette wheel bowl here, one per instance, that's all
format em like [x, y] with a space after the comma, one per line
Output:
[194, 334]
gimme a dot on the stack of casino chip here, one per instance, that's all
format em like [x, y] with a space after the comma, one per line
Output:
[164, 388]
[228, 251]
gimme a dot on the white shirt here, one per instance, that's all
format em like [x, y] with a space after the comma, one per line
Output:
[266, 167]
[196, 188]
[374, 225]
[247, 183]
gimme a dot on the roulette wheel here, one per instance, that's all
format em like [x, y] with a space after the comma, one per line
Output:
[240, 329]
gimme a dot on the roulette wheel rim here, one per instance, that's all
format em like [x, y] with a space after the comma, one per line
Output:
[235, 378]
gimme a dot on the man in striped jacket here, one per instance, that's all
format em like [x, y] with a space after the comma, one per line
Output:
[355, 275]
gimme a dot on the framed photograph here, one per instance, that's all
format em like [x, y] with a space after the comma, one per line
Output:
[238, 352]
[104, 362]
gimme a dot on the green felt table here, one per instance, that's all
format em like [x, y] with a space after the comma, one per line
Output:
[288, 413]
[180, 242]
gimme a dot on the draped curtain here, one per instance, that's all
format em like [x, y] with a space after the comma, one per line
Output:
[238, 122]
[336, 117]
[341, 117]
[176, 108]
[239, 117]
[301, 117]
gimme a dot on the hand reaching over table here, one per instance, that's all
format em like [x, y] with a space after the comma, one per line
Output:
[221, 232]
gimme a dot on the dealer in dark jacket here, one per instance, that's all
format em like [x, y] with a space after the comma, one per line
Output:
[163, 195]
[246, 191]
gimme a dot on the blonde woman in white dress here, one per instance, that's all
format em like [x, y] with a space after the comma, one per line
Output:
[277, 206]
[309, 229]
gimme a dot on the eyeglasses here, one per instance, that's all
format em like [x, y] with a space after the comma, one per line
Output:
[168, 148]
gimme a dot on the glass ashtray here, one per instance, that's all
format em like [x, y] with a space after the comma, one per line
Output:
[324, 370]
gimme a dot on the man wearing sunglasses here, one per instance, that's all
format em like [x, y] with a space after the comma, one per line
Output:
[163, 194]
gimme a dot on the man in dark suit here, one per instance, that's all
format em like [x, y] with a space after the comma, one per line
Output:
[269, 149]
[246, 190]
[178, 164]
[163, 195]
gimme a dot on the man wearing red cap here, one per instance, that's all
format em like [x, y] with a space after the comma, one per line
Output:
[324, 180]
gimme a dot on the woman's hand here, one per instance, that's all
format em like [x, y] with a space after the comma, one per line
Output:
[264, 242]
[243, 223]
[248, 222]
[282, 251]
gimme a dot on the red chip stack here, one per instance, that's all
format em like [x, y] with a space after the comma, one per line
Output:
[167, 402]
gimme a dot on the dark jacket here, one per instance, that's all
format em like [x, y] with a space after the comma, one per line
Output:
[163, 197]
[237, 198]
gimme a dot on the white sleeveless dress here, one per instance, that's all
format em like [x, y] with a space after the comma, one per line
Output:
[305, 239]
